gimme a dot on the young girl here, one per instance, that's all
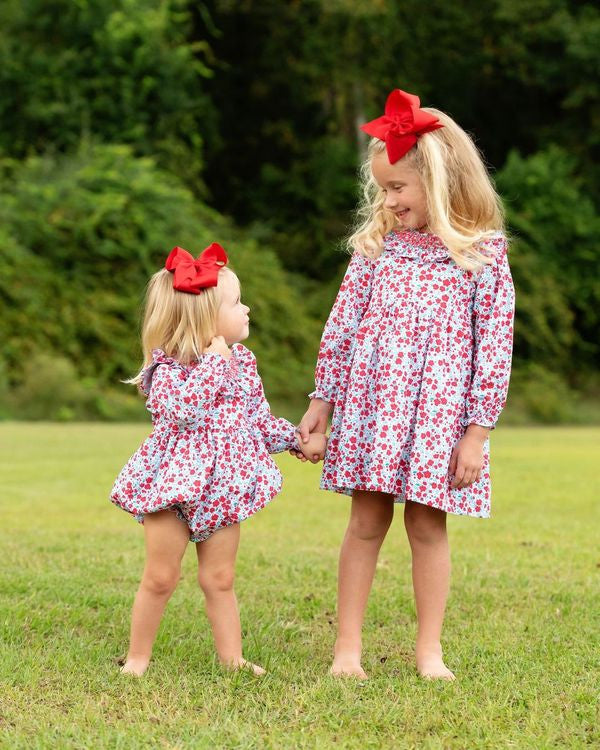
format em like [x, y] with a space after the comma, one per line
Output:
[414, 362]
[206, 465]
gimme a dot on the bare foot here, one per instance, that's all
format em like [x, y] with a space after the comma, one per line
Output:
[347, 665]
[135, 666]
[244, 664]
[430, 663]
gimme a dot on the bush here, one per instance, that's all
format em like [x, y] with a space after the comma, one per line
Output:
[121, 71]
[80, 236]
[554, 257]
[539, 395]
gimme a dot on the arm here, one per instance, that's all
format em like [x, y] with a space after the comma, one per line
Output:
[337, 340]
[493, 317]
[278, 434]
[336, 344]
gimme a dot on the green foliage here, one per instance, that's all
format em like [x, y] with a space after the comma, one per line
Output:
[119, 71]
[312, 70]
[91, 229]
[111, 109]
[538, 395]
[554, 260]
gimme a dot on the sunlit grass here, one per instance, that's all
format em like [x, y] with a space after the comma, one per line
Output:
[521, 633]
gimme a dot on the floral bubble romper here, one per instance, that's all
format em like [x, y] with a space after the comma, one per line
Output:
[207, 458]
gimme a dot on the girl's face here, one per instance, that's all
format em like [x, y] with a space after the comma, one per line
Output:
[233, 322]
[404, 194]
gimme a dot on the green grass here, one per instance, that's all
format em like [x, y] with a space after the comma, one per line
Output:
[521, 632]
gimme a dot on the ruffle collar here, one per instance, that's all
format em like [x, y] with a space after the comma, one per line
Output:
[420, 246]
[239, 371]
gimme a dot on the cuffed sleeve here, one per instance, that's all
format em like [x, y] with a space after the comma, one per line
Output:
[337, 341]
[493, 320]
[278, 434]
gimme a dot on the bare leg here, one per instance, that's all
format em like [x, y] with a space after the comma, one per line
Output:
[166, 540]
[216, 571]
[370, 519]
[426, 529]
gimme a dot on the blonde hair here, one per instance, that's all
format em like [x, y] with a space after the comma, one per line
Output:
[180, 324]
[463, 207]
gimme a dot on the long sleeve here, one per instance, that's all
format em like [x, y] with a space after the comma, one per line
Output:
[338, 335]
[493, 318]
[184, 395]
[278, 434]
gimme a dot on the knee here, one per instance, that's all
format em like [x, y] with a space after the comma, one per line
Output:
[216, 580]
[424, 525]
[161, 581]
[372, 527]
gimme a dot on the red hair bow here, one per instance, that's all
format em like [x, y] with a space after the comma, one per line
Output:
[401, 125]
[191, 274]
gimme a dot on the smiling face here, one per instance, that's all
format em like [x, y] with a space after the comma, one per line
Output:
[404, 194]
[233, 322]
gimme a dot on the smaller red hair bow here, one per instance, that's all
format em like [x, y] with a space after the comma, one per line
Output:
[191, 274]
[402, 124]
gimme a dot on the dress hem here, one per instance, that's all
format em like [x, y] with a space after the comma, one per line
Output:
[203, 535]
[401, 499]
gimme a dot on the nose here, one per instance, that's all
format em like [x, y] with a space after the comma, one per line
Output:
[390, 200]
[247, 309]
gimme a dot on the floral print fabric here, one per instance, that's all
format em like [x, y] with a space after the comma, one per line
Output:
[415, 349]
[207, 458]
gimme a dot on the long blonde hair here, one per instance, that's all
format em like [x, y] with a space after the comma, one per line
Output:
[463, 207]
[180, 324]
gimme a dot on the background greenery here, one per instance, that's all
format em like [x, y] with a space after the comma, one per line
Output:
[129, 126]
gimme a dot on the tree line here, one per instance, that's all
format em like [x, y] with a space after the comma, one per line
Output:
[128, 126]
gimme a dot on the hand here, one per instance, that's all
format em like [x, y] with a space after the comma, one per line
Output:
[314, 420]
[466, 460]
[314, 449]
[218, 346]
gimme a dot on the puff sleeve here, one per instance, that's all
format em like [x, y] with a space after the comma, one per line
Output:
[183, 394]
[337, 341]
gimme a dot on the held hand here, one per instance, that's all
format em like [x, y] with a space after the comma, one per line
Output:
[218, 346]
[467, 459]
[314, 449]
[314, 420]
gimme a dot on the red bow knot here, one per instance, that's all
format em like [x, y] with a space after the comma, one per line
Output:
[402, 124]
[191, 274]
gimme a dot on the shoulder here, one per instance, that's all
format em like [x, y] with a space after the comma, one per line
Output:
[358, 270]
[154, 370]
[244, 357]
[245, 367]
[495, 247]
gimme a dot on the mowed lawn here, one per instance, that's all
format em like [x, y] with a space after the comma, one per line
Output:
[522, 630]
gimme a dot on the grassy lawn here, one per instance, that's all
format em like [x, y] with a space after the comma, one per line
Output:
[522, 629]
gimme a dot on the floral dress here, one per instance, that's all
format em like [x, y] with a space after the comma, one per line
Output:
[415, 349]
[207, 458]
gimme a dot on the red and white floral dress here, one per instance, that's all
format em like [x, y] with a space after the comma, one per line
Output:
[207, 458]
[415, 349]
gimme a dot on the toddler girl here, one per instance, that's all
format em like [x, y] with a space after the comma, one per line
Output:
[206, 466]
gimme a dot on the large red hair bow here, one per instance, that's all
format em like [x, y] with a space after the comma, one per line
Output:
[191, 274]
[401, 125]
